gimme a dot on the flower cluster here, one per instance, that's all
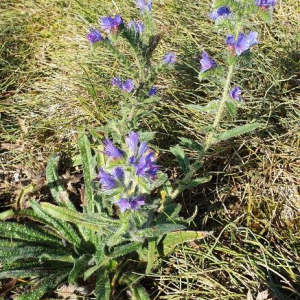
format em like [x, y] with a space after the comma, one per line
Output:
[243, 43]
[265, 4]
[127, 86]
[110, 24]
[137, 26]
[144, 6]
[221, 12]
[126, 170]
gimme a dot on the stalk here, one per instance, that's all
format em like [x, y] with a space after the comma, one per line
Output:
[209, 139]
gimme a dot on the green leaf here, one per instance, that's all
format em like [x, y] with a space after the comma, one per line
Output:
[191, 144]
[125, 249]
[80, 265]
[158, 230]
[160, 180]
[46, 284]
[22, 232]
[24, 252]
[22, 273]
[89, 173]
[211, 107]
[231, 108]
[147, 136]
[172, 239]
[103, 287]
[239, 130]
[182, 158]
[64, 229]
[6, 214]
[197, 181]
[56, 186]
[68, 215]
[139, 293]
[151, 254]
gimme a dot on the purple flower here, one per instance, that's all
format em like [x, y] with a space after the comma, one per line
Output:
[244, 42]
[152, 91]
[146, 166]
[110, 24]
[123, 204]
[111, 150]
[126, 86]
[222, 11]
[132, 141]
[169, 58]
[144, 6]
[265, 4]
[138, 27]
[94, 36]
[109, 181]
[230, 42]
[235, 93]
[207, 62]
[136, 202]
[133, 204]
[116, 81]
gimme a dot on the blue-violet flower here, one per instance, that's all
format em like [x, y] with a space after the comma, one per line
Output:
[126, 86]
[207, 62]
[243, 42]
[235, 93]
[111, 150]
[110, 181]
[169, 58]
[265, 4]
[94, 36]
[137, 26]
[222, 11]
[110, 24]
[133, 204]
[152, 91]
[144, 6]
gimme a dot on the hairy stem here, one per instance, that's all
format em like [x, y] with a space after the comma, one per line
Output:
[209, 139]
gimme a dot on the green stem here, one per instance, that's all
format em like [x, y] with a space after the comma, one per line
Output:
[209, 139]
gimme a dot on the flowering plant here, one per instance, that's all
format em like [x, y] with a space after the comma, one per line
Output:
[127, 217]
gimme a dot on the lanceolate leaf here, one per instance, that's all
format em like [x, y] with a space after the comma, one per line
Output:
[158, 230]
[69, 216]
[125, 249]
[151, 254]
[21, 232]
[139, 293]
[197, 181]
[239, 130]
[22, 273]
[63, 228]
[89, 173]
[80, 265]
[182, 158]
[103, 288]
[45, 285]
[57, 188]
[172, 239]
